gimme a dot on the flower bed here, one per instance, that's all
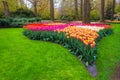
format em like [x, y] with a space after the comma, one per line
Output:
[45, 26]
[80, 39]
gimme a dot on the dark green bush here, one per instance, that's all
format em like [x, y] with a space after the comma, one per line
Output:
[23, 13]
[2, 14]
[5, 22]
[67, 17]
[108, 11]
[17, 22]
[94, 15]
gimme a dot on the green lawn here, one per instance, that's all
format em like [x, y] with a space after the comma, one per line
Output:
[24, 59]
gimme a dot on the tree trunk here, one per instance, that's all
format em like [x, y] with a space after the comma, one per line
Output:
[86, 12]
[81, 9]
[113, 9]
[76, 9]
[35, 7]
[52, 9]
[102, 11]
[6, 9]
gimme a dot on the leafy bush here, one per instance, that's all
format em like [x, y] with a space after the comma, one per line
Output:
[76, 47]
[117, 8]
[23, 13]
[94, 15]
[67, 17]
[5, 22]
[1, 14]
[108, 12]
[17, 22]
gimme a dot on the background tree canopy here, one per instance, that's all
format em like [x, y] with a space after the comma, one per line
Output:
[62, 9]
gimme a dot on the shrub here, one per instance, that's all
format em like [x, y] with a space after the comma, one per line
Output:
[2, 14]
[5, 22]
[94, 15]
[117, 8]
[23, 13]
[17, 22]
[108, 12]
[67, 17]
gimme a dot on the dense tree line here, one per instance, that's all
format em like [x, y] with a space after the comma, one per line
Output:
[66, 9]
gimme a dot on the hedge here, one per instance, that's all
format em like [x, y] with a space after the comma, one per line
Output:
[17, 22]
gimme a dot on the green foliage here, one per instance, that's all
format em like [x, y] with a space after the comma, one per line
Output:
[108, 14]
[104, 33]
[117, 8]
[17, 22]
[23, 13]
[45, 17]
[67, 17]
[1, 14]
[94, 15]
[5, 22]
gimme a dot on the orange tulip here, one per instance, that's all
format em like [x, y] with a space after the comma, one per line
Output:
[87, 36]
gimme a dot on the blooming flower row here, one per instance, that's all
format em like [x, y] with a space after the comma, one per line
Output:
[46, 27]
[87, 33]
[92, 26]
[87, 36]
[54, 26]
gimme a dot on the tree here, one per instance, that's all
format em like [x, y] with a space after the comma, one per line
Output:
[117, 7]
[76, 9]
[108, 13]
[35, 7]
[81, 9]
[44, 9]
[34, 3]
[67, 10]
[113, 9]
[86, 11]
[102, 11]
[22, 4]
[6, 9]
[52, 9]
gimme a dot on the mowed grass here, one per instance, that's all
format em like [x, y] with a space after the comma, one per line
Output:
[24, 59]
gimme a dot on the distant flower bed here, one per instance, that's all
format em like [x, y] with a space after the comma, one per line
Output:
[54, 26]
[112, 22]
[46, 26]
[80, 39]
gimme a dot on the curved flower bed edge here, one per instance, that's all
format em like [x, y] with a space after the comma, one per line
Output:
[84, 53]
